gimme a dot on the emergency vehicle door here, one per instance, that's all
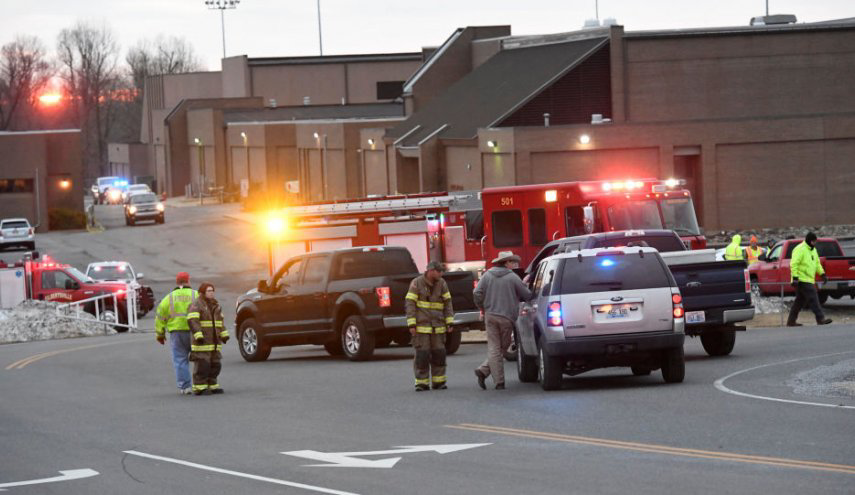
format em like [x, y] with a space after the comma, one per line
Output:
[310, 297]
[276, 308]
[58, 286]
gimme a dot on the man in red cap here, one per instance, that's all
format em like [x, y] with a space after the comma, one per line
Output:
[172, 318]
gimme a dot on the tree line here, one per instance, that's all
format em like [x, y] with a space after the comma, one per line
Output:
[99, 93]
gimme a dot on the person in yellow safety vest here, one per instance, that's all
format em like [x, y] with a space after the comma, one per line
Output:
[172, 317]
[209, 333]
[429, 317]
[804, 267]
[734, 250]
[753, 251]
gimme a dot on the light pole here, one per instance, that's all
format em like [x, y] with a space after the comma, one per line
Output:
[201, 152]
[320, 35]
[222, 5]
[248, 168]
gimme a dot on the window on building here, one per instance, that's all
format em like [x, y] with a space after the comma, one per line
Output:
[389, 90]
[537, 226]
[507, 228]
[16, 185]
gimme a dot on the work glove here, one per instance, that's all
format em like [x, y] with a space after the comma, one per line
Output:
[161, 339]
[413, 331]
[794, 283]
[225, 339]
[824, 278]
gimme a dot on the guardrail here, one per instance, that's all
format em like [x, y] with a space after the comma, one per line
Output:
[105, 308]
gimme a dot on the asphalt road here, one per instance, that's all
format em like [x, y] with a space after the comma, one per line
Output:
[777, 416]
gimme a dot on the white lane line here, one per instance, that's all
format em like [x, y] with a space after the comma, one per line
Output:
[74, 474]
[238, 474]
[719, 384]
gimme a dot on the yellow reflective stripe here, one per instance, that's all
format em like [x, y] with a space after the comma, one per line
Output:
[203, 348]
[200, 387]
[411, 322]
[212, 387]
[206, 324]
[193, 314]
[449, 320]
[430, 305]
[198, 335]
[218, 324]
[413, 296]
[438, 379]
[424, 329]
[160, 318]
[422, 381]
[224, 334]
[446, 295]
[439, 330]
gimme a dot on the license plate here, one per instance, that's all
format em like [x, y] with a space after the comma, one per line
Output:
[852, 283]
[618, 313]
[695, 317]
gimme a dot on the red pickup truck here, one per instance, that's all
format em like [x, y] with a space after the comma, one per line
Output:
[773, 269]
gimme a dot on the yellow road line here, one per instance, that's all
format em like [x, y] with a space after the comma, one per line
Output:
[19, 364]
[660, 449]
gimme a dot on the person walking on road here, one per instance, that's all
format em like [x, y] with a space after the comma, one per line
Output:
[804, 267]
[429, 317]
[498, 294]
[753, 251]
[733, 251]
[172, 318]
[209, 333]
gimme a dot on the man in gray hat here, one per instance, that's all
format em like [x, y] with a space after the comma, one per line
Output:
[498, 294]
[429, 317]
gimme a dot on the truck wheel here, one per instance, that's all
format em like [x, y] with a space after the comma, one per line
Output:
[333, 347]
[252, 347]
[452, 341]
[640, 370]
[823, 297]
[403, 339]
[550, 371]
[673, 366]
[356, 341]
[718, 343]
[526, 366]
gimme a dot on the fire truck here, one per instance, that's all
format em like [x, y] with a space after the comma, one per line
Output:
[467, 229]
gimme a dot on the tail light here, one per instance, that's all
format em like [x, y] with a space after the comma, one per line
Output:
[474, 284]
[384, 297]
[677, 302]
[553, 315]
[32, 231]
[747, 281]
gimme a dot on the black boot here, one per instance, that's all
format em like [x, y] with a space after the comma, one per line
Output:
[481, 379]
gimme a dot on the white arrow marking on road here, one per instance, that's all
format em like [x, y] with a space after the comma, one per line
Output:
[351, 459]
[74, 474]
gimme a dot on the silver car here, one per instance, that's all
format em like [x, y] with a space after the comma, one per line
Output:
[597, 308]
[17, 232]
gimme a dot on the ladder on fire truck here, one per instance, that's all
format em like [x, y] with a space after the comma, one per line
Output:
[384, 204]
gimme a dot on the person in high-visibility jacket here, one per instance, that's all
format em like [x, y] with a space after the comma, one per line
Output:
[209, 333]
[429, 317]
[753, 251]
[172, 318]
[804, 267]
[733, 251]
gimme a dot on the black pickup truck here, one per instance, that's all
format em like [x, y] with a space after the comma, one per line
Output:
[716, 294]
[348, 300]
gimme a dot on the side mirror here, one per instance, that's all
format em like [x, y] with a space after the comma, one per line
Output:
[262, 286]
[588, 218]
[140, 276]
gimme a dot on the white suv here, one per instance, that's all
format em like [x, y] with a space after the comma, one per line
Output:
[17, 232]
[597, 308]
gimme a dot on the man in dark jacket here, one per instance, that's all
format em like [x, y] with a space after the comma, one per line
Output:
[498, 294]
[209, 333]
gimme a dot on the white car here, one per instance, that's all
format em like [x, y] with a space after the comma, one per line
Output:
[134, 189]
[17, 232]
[122, 271]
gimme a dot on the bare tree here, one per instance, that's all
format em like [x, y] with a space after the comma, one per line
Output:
[163, 55]
[89, 55]
[24, 72]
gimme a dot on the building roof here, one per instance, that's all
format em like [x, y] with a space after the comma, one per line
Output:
[314, 112]
[495, 89]
[831, 25]
[338, 59]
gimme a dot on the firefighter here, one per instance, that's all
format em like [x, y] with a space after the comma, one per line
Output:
[753, 251]
[172, 316]
[429, 317]
[209, 334]
[734, 252]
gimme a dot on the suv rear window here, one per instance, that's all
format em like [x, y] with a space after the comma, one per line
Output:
[662, 243]
[618, 272]
[16, 224]
[367, 264]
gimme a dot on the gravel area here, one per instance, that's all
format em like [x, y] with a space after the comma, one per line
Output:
[765, 236]
[38, 320]
[837, 380]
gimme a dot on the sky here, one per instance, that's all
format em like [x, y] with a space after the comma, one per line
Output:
[275, 28]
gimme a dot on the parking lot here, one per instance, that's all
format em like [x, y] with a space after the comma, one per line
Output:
[774, 417]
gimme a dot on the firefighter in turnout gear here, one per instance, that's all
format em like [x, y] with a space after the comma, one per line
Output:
[172, 318]
[209, 334]
[429, 317]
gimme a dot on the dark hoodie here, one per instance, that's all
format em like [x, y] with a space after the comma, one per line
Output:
[499, 293]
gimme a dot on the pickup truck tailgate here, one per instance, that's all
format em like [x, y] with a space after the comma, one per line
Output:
[719, 285]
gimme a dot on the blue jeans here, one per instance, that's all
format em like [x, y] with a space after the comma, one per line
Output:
[180, 343]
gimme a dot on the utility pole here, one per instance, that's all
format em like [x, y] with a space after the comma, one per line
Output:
[222, 5]
[201, 152]
[320, 34]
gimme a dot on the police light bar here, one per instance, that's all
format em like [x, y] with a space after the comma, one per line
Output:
[668, 184]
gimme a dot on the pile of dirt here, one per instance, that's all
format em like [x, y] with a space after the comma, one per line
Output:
[39, 320]
[765, 236]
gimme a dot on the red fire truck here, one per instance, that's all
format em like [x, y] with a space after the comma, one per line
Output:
[468, 228]
[524, 218]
